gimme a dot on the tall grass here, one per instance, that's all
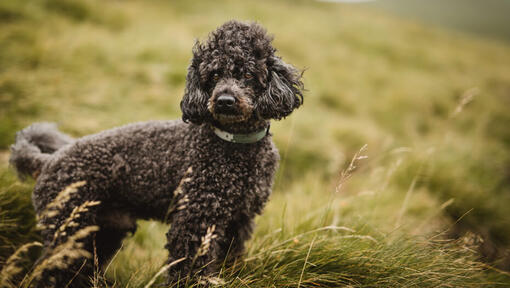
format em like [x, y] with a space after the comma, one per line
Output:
[17, 223]
[63, 251]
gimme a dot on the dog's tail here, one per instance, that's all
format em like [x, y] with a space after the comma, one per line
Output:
[34, 146]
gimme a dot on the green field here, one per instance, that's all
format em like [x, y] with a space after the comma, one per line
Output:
[427, 208]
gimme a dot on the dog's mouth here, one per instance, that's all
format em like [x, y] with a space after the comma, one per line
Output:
[229, 119]
[228, 115]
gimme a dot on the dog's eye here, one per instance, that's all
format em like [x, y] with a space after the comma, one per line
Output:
[216, 77]
[248, 76]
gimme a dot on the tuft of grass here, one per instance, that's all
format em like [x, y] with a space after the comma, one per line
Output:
[63, 255]
[330, 256]
[17, 265]
[17, 217]
[360, 256]
[65, 248]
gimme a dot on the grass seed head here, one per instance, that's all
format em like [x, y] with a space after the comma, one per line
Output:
[75, 214]
[54, 207]
[12, 266]
[206, 241]
[65, 254]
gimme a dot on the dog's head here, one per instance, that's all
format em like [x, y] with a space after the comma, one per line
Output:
[235, 76]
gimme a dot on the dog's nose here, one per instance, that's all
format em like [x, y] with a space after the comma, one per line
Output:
[225, 100]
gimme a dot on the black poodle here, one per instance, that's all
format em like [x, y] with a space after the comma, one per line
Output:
[208, 175]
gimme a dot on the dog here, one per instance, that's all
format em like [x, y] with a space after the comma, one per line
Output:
[208, 175]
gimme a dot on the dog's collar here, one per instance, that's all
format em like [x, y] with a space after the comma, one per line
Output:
[241, 138]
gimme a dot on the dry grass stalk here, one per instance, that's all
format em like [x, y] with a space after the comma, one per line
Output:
[181, 203]
[95, 280]
[347, 173]
[208, 281]
[12, 268]
[161, 271]
[53, 208]
[467, 97]
[215, 281]
[178, 191]
[206, 241]
[204, 247]
[306, 260]
[70, 221]
[65, 254]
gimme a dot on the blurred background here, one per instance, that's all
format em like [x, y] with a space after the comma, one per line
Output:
[425, 84]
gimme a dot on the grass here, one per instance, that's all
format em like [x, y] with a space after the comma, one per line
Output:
[431, 174]
[64, 250]
[16, 214]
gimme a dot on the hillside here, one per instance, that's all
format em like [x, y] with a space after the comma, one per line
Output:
[432, 107]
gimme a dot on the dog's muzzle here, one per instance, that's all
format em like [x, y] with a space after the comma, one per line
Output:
[226, 104]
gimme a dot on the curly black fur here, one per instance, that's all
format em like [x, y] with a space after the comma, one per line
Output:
[231, 52]
[135, 170]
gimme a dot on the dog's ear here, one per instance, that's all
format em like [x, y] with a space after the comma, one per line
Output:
[194, 101]
[284, 90]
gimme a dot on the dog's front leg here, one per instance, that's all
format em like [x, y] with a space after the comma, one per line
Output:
[196, 243]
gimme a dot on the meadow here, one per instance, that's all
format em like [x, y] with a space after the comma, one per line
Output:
[394, 173]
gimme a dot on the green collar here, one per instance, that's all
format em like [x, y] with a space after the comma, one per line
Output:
[241, 138]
